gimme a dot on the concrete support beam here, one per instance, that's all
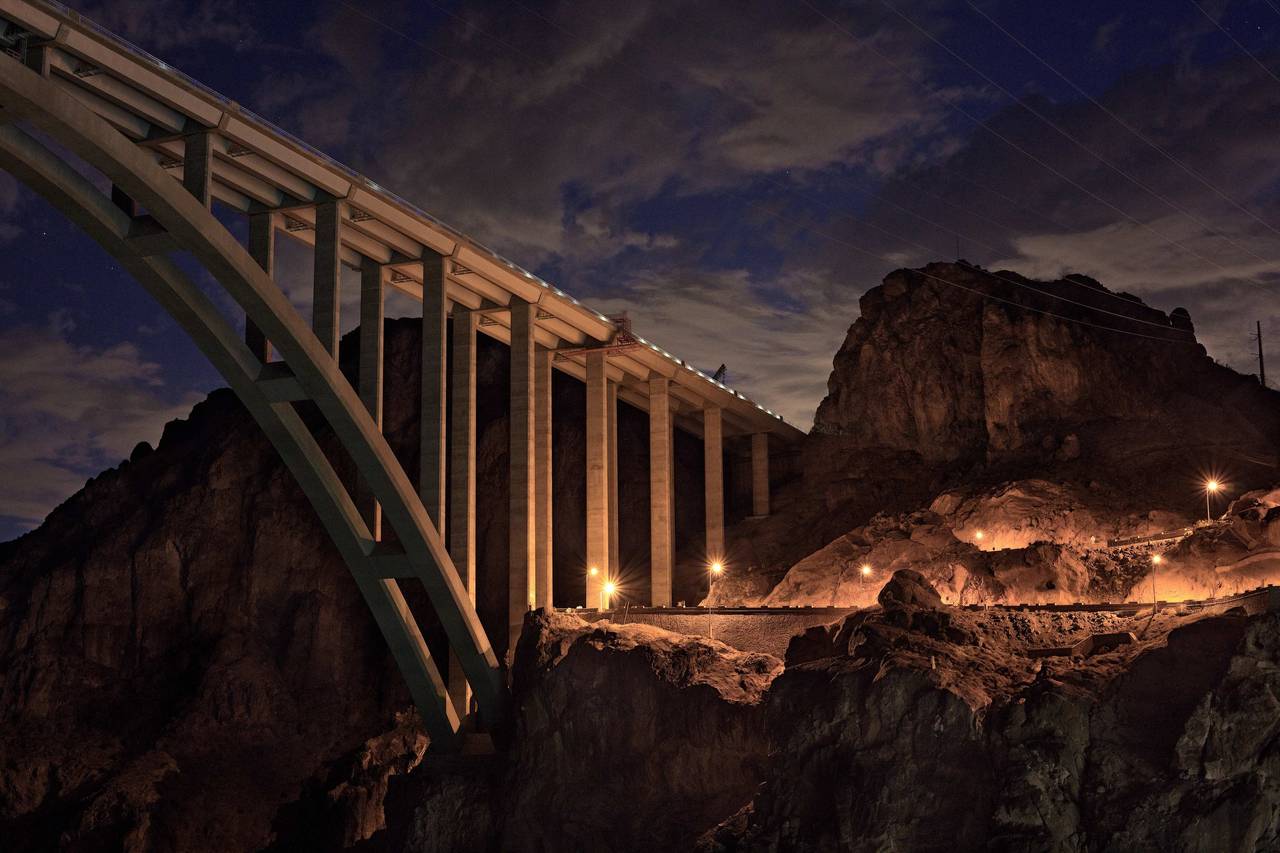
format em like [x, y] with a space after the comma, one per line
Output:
[543, 514]
[462, 476]
[661, 493]
[615, 562]
[713, 478]
[760, 474]
[197, 166]
[327, 277]
[522, 552]
[262, 247]
[372, 301]
[434, 410]
[597, 475]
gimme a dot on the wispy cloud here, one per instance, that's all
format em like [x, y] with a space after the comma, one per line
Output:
[67, 411]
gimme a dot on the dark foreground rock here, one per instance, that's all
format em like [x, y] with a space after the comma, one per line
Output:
[626, 737]
[908, 740]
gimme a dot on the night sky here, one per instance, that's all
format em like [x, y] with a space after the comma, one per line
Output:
[735, 175]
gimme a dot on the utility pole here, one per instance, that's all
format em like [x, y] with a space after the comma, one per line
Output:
[1262, 367]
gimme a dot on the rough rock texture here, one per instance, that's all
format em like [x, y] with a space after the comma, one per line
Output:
[184, 660]
[963, 573]
[943, 736]
[1023, 512]
[626, 737]
[933, 369]
[1006, 421]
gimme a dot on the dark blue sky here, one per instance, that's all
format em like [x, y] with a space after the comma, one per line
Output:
[734, 174]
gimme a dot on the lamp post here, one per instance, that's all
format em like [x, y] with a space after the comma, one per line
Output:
[607, 590]
[714, 568]
[1210, 488]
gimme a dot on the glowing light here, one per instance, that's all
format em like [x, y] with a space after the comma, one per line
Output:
[978, 534]
[593, 571]
[717, 567]
[865, 568]
[1156, 559]
[1213, 485]
[610, 587]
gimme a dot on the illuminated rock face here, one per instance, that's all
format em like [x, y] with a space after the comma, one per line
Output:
[1016, 430]
[942, 735]
[932, 368]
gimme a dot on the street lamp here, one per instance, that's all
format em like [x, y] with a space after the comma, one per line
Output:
[714, 568]
[1211, 487]
[606, 593]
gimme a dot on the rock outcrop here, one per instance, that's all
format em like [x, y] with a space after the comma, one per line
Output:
[626, 737]
[933, 368]
[185, 662]
[919, 738]
[1004, 407]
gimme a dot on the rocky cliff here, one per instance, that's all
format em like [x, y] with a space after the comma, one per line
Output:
[1022, 411]
[184, 660]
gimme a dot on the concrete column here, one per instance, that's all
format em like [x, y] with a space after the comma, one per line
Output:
[615, 562]
[543, 514]
[597, 475]
[661, 493]
[462, 476]
[371, 331]
[760, 473]
[262, 248]
[434, 410]
[521, 559]
[327, 278]
[197, 166]
[713, 477]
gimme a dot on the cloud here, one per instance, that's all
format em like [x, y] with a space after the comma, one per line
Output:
[68, 411]
[165, 25]
[778, 353]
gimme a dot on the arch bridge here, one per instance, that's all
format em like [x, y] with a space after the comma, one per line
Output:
[169, 148]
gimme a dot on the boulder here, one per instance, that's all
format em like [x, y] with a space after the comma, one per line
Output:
[908, 589]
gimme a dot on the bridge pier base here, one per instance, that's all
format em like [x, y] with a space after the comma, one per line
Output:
[597, 476]
[713, 478]
[521, 453]
[661, 493]
[543, 514]
[462, 478]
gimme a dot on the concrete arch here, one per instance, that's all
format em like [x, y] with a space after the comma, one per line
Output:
[307, 372]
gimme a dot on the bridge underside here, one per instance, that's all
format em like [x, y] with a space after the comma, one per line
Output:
[169, 150]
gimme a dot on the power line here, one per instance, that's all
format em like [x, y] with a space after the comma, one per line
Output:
[1085, 148]
[1118, 120]
[1125, 317]
[1236, 41]
[907, 211]
[868, 252]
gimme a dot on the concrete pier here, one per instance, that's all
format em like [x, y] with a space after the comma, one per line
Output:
[760, 474]
[372, 302]
[462, 476]
[523, 530]
[197, 166]
[326, 278]
[542, 467]
[615, 567]
[432, 482]
[661, 493]
[597, 476]
[262, 248]
[713, 479]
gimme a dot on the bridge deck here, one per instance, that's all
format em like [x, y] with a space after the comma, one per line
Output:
[257, 166]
